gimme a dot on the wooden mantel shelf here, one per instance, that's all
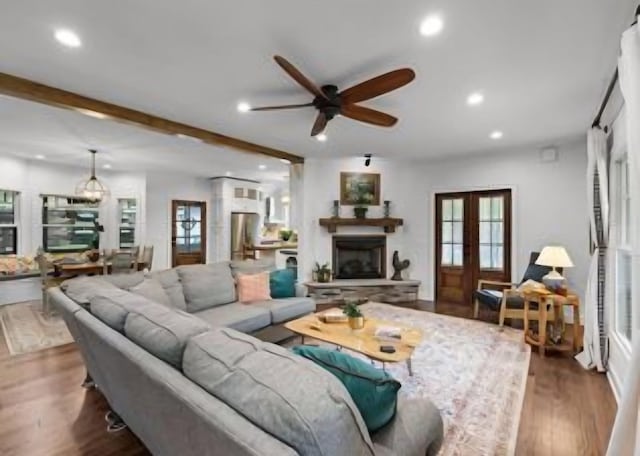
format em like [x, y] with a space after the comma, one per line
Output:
[389, 224]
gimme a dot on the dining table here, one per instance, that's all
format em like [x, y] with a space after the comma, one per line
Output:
[85, 268]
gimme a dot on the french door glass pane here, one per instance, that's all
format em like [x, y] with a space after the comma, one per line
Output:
[447, 210]
[457, 255]
[485, 208]
[485, 232]
[458, 209]
[496, 257]
[496, 233]
[447, 232]
[496, 208]
[447, 254]
[485, 256]
[457, 232]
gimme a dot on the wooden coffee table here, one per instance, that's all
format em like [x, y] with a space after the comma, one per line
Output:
[361, 340]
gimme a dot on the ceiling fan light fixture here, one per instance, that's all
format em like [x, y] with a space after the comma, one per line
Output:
[92, 188]
[321, 137]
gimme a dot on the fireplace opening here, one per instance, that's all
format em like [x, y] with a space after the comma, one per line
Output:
[359, 257]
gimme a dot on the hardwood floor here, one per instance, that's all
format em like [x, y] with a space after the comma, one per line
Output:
[44, 411]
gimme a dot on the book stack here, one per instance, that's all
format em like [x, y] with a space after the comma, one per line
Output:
[334, 317]
[388, 332]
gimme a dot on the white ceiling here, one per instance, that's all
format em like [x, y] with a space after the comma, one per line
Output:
[542, 65]
[29, 129]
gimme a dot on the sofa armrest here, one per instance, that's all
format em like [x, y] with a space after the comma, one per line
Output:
[416, 430]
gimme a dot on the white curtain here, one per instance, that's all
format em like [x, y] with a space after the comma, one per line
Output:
[594, 354]
[625, 438]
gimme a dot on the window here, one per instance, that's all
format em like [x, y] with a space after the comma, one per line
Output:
[623, 250]
[452, 228]
[69, 223]
[8, 222]
[491, 227]
[127, 210]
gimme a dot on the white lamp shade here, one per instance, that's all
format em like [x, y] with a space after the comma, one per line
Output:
[554, 256]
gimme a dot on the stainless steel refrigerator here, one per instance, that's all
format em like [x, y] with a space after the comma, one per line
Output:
[245, 228]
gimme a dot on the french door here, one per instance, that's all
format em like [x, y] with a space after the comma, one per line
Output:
[188, 232]
[473, 242]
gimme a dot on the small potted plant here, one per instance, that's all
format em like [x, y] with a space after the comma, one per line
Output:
[285, 234]
[362, 198]
[322, 273]
[354, 315]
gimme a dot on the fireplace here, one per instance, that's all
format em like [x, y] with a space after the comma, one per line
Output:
[359, 257]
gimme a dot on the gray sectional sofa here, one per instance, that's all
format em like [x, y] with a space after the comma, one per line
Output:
[169, 352]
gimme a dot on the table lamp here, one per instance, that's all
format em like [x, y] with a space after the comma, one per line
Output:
[554, 257]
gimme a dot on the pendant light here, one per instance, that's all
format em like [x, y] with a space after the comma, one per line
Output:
[92, 188]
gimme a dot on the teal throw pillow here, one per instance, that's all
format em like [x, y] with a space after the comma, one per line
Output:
[373, 390]
[282, 283]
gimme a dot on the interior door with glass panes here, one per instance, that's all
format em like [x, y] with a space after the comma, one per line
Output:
[188, 232]
[473, 242]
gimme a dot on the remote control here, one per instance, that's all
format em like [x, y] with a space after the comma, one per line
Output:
[387, 349]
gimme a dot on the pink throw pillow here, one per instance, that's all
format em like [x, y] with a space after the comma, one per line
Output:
[253, 287]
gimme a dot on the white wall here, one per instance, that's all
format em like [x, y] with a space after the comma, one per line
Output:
[549, 205]
[33, 178]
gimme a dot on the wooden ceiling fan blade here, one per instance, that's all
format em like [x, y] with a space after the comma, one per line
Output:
[319, 125]
[275, 108]
[368, 115]
[377, 86]
[298, 76]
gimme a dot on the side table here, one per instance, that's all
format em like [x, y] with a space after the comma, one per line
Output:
[547, 300]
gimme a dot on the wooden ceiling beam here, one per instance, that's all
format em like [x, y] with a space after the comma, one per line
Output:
[29, 90]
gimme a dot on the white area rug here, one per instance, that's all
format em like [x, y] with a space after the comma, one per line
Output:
[26, 330]
[474, 373]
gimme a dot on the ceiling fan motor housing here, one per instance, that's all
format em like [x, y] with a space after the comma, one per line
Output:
[329, 106]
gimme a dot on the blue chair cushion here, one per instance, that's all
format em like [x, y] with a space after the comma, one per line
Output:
[492, 299]
[535, 272]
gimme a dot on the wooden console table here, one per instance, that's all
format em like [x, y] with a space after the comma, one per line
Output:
[545, 301]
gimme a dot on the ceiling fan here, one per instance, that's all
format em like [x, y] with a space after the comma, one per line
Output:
[330, 102]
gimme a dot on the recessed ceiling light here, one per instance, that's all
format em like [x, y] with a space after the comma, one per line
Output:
[321, 137]
[496, 134]
[106, 166]
[228, 173]
[40, 157]
[244, 107]
[431, 25]
[285, 161]
[68, 38]
[475, 98]
[263, 167]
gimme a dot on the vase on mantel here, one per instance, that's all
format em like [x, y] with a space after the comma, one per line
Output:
[360, 212]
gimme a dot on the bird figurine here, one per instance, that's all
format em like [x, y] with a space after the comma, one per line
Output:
[399, 266]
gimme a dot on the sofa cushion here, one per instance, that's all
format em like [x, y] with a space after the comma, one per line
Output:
[82, 289]
[373, 390]
[207, 285]
[163, 332]
[289, 397]
[252, 266]
[282, 283]
[253, 287]
[124, 281]
[172, 286]
[241, 317]
[152, 290]
[287, 309]
[112, 306]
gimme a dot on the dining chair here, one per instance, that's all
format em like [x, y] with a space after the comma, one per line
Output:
[47, 280]
[147, 256]
[122, 263]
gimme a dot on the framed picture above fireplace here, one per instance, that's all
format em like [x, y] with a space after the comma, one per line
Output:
[359, 189]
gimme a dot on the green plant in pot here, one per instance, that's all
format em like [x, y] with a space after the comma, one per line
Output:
[285, 234]
[353, 313]
[322, 273]
[361, 197]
